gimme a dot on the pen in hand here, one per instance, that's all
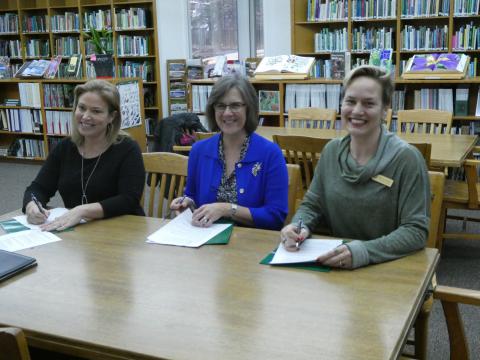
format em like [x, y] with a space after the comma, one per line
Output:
[191, 206]
[298, 231]
[40, 208]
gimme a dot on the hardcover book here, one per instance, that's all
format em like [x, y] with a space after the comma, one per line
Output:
[33, 69]
[284, 67]
[438, 66]
[337, 65]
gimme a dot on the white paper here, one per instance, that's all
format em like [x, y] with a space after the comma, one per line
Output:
[54, 213]
[309, 251]
[181, 232]
[26, 239]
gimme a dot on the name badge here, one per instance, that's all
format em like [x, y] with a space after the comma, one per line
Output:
[383, 180]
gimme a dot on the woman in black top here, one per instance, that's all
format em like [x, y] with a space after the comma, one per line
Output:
[98, 171]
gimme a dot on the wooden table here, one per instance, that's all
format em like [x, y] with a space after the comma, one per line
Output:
[447, 150]
[105, 293]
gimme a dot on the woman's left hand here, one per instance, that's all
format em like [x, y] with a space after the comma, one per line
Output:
[69, 219]
[340, 257]
[207, 214]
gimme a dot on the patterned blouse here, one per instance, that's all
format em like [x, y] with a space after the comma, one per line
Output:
[227, 191]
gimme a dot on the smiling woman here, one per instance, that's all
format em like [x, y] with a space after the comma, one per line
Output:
[98, 170]
[369, 186]
[235, 174]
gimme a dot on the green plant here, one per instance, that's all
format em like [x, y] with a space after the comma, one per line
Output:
[102, 40]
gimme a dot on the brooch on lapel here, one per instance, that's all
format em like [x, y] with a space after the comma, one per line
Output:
[256, 168]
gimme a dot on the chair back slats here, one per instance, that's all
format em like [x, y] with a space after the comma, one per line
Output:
[437, 184]
[314, 118]
[203, 135]
[424, 121]
[294, 190]
[388, 119]
[303, 151]
[168, 172]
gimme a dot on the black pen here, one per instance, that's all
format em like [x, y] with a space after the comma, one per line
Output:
[191, 206]
[40, 208]
[299, 230]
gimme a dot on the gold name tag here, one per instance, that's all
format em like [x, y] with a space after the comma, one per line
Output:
[383, 180]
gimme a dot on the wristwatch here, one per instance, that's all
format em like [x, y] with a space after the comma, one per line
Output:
[233, 210]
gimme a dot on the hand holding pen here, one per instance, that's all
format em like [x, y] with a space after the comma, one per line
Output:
[293, 235]
[181, 203]
[35, 212]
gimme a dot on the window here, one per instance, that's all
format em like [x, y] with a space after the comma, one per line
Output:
[233, 28]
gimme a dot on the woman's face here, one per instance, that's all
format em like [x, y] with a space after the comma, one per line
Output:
[231, 119]
[362, 108]
[92, 116]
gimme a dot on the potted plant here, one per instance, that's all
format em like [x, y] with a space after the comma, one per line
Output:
[102, 41]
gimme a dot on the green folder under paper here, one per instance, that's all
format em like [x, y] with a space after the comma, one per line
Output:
[309, 266]
[222, 238]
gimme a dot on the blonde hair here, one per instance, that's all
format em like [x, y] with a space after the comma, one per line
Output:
[108, 93]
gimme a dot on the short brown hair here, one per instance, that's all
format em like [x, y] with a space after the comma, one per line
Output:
[249, 95]
[373, 72]
[109, 93]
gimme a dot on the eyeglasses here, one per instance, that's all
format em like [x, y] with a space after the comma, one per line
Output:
[234, 107]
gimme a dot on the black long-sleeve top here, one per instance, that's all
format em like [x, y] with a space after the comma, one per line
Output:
[117, 182]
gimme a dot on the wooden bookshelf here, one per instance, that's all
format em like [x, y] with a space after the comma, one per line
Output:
[447, 19]
[36, 33]
[177, 85]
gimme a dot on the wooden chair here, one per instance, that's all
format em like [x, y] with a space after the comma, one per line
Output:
[315, 118]
[450, 297]
[170, 170]
[461, 194]
[203, 135]
[426, 151]
[13, 344]
[424, 121]
[199, 136]
[437, 182]
[294, 190]
[302, 150]
[388, 119]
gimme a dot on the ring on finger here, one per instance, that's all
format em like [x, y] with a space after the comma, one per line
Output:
[205, 220]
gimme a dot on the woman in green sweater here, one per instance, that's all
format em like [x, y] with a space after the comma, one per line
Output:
[369, 187]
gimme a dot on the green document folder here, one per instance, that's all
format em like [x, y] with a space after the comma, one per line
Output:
[12, 226]
[222, 238]
[307, 266]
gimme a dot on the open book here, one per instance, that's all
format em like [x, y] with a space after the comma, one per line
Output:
[284, 67]
[439, 66]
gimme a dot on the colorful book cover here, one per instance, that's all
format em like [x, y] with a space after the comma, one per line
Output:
[269, 101]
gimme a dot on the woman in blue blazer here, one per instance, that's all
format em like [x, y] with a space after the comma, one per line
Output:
[236, 173]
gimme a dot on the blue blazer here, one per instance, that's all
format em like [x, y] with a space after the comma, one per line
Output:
[262, 179]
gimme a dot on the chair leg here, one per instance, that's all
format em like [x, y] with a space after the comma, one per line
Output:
[441, 228]
[421, 329]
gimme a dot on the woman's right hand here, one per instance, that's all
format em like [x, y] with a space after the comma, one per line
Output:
[181, 203]
[34, 215]
[291, 236]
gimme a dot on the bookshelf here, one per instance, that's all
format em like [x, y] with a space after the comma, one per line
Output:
[177, 86]
[405, 26]
[44, 115]
[41, 29]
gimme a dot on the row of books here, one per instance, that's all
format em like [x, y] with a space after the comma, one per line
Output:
[69, 21]
[67, 45]
[21, 120]
[379, 9]
[420, 8]
[10, 48]
[318, 10]
[29, 94]
[465, 7]
[9, 23]
[98, 19]
[467, 37]
[200, 95]
[27, 148]
[335, 40]
[143, 70]
[133, 18]
[37, 47]
[314, 95]
[58, 122]
[372, 38]
[315, 124]
[424, 38]
[430, 98]
[334, 68]
[34, 23]
[132, 45]
[58, 95]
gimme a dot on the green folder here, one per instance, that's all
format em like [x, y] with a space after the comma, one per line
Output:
[222, 238]
[306, 266]
[12, 226]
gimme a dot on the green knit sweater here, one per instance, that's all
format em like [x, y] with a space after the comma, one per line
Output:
[384, 223]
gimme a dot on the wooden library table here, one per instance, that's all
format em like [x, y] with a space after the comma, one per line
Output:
[447, 150]
[104, 293]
